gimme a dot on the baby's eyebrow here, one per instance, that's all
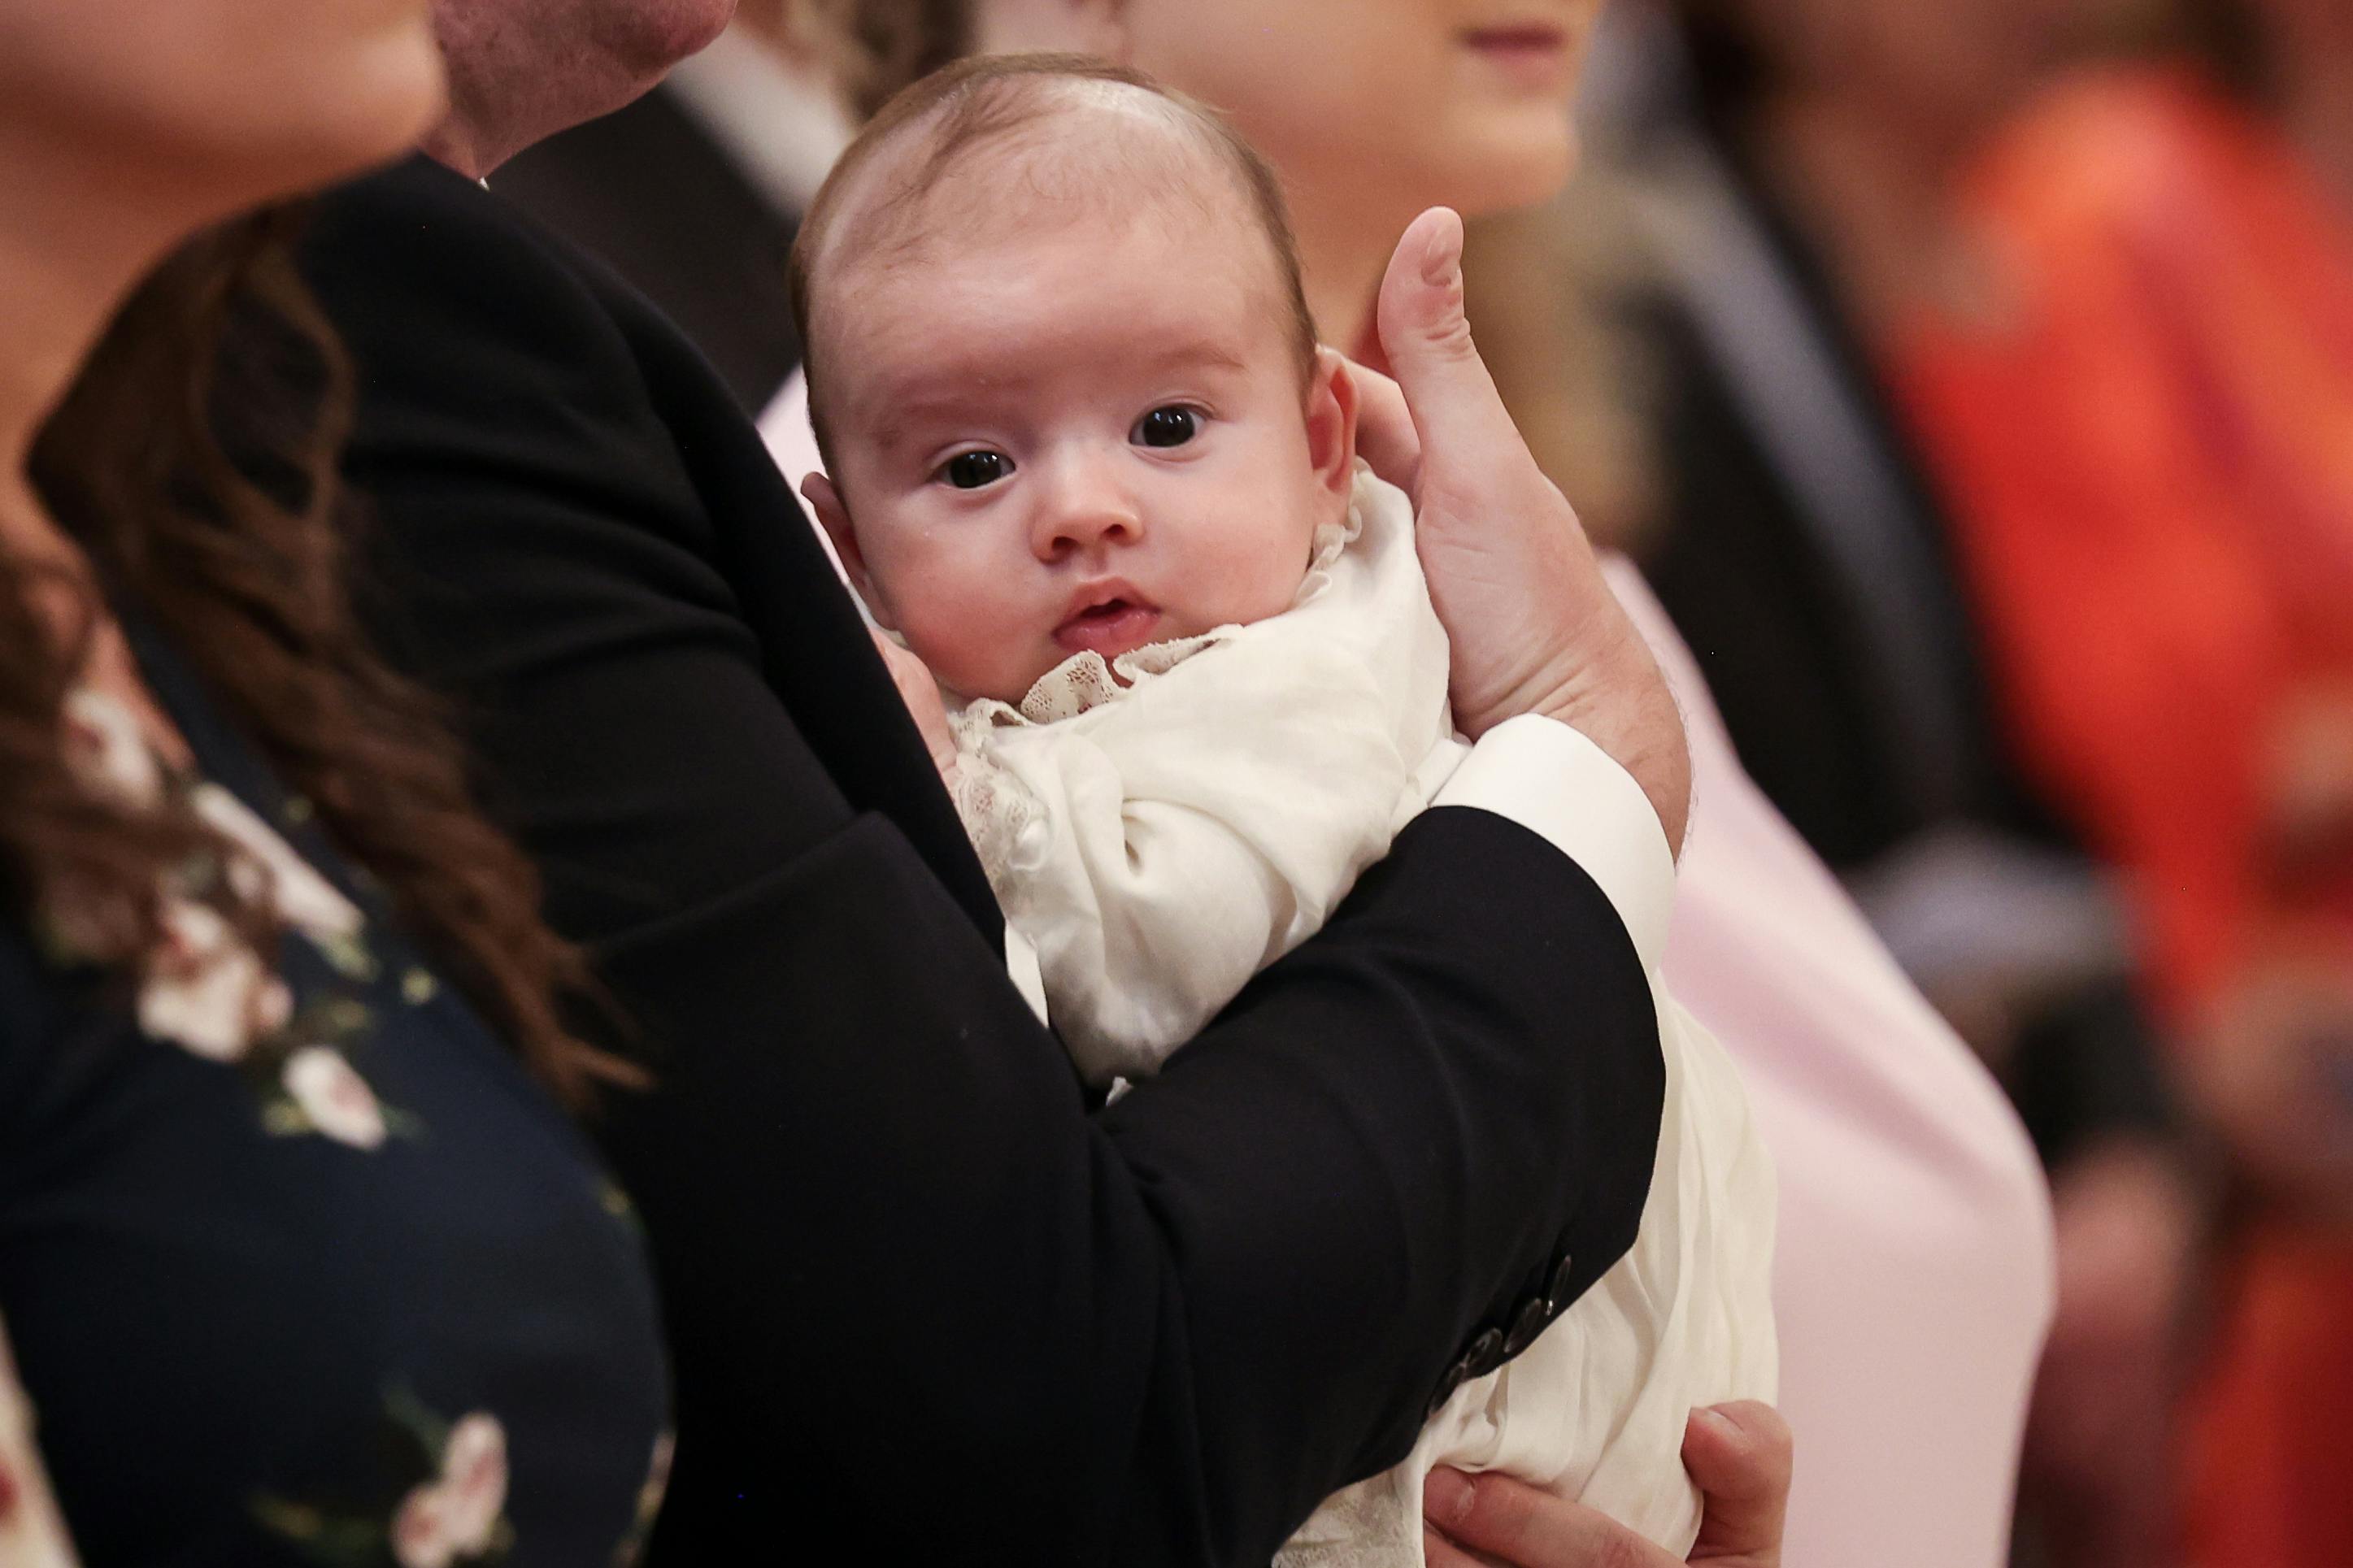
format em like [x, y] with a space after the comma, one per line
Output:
[896, 409]
[1216, 356]
[886, 406]
[896, 422]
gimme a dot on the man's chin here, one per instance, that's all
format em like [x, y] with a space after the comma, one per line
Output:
[664, 31]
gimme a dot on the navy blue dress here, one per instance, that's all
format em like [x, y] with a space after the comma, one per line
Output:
[339, 1286]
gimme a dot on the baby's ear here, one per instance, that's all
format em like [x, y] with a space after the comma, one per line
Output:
[1331, 423]
[834, 518]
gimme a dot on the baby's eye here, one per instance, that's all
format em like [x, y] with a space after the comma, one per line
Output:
[1170, 425]
[973, 471]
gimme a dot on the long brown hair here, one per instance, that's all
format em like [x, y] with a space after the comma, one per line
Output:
[240, 564]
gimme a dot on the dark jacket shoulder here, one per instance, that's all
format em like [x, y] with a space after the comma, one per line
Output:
[650, 191]
[494, 355]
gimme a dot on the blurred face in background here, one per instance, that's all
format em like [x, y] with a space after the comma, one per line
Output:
[1393, 104]
[215, 103]
[1952, 61]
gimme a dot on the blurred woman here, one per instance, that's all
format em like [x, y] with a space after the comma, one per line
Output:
[2146, 422]
[1373, 111]
[299, 1261]
[2164, 291]
[1779, 191]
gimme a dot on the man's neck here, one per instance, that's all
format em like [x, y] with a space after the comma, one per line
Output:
[518, 74]
[495, 114]
[501, 100]
[453, 146]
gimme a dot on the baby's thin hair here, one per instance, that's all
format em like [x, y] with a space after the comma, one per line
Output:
[984, 101]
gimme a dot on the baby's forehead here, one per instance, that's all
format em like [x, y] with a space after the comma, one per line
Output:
[1075, 157]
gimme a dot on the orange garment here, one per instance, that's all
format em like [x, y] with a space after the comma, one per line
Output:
[2147, 447]
[2270, 1483]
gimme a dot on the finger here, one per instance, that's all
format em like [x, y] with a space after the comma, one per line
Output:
[1739, 1457]
[1437, 1552]
[892, 654]
[1384, 433]
[1532, 1529]
[1427, 338]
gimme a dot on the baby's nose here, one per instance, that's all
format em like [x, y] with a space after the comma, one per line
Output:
[1084, 507]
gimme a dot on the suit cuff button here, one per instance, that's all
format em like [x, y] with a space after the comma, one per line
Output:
[1533, 1320]
[1563, 1288]
[1485, 1354]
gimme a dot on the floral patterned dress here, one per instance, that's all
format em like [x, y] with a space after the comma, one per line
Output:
[298, 1265]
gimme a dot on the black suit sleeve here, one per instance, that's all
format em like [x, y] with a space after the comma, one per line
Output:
[916, 1292]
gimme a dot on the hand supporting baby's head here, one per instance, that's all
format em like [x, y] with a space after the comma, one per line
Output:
[1062, 372]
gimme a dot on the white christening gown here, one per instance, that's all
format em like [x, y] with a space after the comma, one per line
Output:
[1161, 828]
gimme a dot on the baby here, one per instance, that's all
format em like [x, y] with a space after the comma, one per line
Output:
[1086, 462]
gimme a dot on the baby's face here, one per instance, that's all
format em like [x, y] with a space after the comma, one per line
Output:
[1090, 436]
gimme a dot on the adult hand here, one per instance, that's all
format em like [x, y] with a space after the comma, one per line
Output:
[921, 693]
[1737, 1454]
[1533, 628]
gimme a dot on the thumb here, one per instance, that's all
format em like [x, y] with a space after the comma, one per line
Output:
[1453, 401]
[1738, 1456]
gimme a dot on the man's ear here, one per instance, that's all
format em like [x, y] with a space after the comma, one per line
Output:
[1332, 424]
[1097, 28]
[834, 518]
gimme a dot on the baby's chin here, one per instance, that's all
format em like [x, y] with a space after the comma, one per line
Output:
[1003, 683]
[1112, 639]
[1014, 689]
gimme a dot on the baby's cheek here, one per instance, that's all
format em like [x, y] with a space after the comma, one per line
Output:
[1263, 567]
[963, 632]
[945, 640]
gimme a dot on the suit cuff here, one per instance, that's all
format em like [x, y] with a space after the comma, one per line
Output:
[1559, 785]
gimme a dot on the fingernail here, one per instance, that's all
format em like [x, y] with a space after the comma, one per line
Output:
[1717, 1421]
[1445, 1497]
[1439, 265]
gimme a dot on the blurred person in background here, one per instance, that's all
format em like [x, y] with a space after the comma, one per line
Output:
[1776, 197]
[694, 191]
[301, 1257]
[2143, 415]
[1911, 1263]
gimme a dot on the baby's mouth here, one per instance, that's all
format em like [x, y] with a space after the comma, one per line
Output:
[1114, 627]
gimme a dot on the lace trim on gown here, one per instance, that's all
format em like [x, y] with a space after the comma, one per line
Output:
[1005, 821]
